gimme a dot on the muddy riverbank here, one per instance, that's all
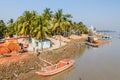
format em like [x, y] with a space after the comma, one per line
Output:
[66, 52]
[11, 68]
[25, 66]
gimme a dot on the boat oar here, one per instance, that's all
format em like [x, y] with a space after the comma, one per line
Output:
[45, 61]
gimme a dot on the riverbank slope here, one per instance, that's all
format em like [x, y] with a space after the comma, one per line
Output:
[20, 67]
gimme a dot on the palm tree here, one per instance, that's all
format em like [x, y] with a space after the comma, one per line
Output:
[82, 28]
[70, 27]
[19, 25]
[10, 28]
[25, 23]
[48, 16]
[74, 28]
[59, 22]
[67, 26]
[41, 29]
[2, 28]
[47, 13]
[79, 28]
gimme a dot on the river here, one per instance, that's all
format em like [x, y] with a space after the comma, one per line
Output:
[102, 63]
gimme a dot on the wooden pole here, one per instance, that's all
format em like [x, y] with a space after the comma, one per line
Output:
[45, 61]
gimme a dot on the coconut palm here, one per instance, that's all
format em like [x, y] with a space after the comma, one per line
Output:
[67, 27]
[25, 23]
[47, 13]
[79, 28]
[59, 22]
[19, 25]
[74, 28]
[40, 29]
[2, 28]
[48, 16]
[10, 28]
[82, 28]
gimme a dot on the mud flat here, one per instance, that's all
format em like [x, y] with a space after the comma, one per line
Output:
[12, 67]
[21, 67]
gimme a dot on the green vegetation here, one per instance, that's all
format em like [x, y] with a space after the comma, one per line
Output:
[2, 28]
[42, 25]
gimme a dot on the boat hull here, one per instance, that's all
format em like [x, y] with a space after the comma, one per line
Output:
[91, 44]
[55, 70]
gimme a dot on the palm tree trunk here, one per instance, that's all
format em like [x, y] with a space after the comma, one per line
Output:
[58, 33]
[69, 33]
[41, 44]
[60, 40]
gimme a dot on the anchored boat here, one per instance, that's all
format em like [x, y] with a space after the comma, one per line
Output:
[56, 68]
[91, 44]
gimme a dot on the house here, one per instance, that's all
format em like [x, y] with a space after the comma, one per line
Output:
[46, 43]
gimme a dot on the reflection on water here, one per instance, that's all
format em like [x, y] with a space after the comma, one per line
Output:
[100, 63]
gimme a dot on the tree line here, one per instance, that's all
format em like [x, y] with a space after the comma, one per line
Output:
[42, 25]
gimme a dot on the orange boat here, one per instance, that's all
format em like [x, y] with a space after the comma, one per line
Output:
[54, 69]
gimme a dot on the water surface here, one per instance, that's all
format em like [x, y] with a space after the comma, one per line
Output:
[102, 63]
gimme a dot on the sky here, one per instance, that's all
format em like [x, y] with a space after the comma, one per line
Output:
[102, 14]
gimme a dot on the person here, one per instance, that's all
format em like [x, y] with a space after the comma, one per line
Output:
[25, 43]
[21, 48]
[38, 53]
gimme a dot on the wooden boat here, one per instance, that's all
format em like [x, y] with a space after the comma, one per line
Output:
[54, 69]
[91, 44]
